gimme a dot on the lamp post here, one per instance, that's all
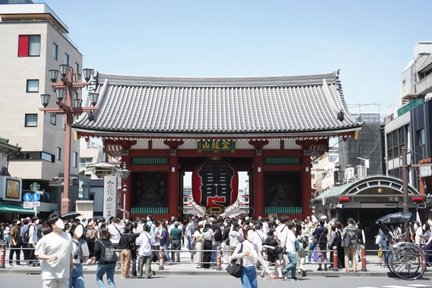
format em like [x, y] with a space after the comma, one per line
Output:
[124, 173]
[69, 100]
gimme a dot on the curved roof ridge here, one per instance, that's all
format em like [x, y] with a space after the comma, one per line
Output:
[263, 81]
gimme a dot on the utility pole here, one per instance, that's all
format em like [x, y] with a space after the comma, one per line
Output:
[405, 179]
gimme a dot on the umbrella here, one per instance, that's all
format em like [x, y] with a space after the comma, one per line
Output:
[394, 218]
[70, 215]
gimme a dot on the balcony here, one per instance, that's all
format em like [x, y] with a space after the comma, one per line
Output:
[424, 85]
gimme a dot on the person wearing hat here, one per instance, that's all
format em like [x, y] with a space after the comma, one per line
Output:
[15, 242]
[54, 251]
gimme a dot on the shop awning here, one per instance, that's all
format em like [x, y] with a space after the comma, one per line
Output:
[14, 208]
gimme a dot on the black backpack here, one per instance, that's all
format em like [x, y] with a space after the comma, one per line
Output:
[26, 235]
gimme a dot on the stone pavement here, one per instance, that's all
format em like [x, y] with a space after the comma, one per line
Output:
[186, 267]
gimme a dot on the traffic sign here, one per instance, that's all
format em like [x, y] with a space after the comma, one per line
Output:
[36, 196]
[27, 204]
[28, 197]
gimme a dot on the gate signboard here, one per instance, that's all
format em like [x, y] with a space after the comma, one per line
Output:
[110, 197]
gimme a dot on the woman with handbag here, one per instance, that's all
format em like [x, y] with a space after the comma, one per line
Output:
[249, 256]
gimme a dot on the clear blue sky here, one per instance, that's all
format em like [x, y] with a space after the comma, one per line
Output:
[371, 41]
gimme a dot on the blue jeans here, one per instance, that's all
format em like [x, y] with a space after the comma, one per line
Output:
[167, 254]
[77, 277]
[109, 269]
[291, 266]
[249, 277]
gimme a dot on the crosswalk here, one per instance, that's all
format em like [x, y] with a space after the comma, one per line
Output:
[399, 286]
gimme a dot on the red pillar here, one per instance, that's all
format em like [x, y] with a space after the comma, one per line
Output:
[173, 178]
[258, 175]
[173, 184]
[306, 186]
[258, 184]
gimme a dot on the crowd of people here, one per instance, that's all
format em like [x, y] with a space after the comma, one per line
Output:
[280, 246]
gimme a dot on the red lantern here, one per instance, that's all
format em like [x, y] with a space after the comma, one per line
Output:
[215, 184]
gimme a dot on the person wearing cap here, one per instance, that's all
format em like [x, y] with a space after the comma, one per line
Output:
[15, 242]
[54, 251]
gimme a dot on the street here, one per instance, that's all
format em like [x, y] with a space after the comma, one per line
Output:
[24, 280]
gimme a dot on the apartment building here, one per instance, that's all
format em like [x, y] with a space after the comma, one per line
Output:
[33, 40]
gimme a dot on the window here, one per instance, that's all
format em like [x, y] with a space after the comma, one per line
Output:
[53, 118]
[74, 159]
[63, 123]
[58, 154]
[28, 45]
[32, 86]
[47, 157]
[30, 120]
[77, 69]
[54, 51]
[421, 137]
[66, 59]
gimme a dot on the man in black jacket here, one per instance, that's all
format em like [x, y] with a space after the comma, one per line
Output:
[128, 250]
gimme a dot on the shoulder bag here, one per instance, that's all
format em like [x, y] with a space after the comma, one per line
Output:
[235, 267]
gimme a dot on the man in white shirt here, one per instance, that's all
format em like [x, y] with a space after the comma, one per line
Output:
[291, 252]
[145, 240]
[116, 231]
[55, 252]
[33, 239]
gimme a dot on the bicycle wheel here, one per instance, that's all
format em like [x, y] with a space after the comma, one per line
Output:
[407, 261]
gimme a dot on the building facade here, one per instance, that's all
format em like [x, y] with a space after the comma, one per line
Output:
[268, 127]
[33, 40]
[409, 127]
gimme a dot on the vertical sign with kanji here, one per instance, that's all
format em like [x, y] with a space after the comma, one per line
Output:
[110, 197]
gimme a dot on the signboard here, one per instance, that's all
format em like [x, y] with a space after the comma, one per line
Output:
[10, 188]
[215, 184]
[110, 197]
[425, 170]
[378, 205]
[215, 145]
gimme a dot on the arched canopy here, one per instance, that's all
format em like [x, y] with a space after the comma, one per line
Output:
[370, 186]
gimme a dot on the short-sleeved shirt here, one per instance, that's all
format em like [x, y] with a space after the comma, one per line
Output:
[59, 245]
[176, 233]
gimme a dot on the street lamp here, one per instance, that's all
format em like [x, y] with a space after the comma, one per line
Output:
[69, 100]
[124, 173]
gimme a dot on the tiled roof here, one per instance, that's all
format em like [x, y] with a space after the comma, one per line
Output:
[288, 106]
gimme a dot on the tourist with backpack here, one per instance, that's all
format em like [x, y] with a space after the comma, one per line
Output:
[106, 259]
[350, 238]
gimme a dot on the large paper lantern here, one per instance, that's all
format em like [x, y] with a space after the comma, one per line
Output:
[215, 184]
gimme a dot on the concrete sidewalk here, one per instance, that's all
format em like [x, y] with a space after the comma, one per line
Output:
[186, 267]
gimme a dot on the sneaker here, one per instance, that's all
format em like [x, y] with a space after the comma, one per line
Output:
[294, 279]
[319, 269]
[303, 273]
[153, 273]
